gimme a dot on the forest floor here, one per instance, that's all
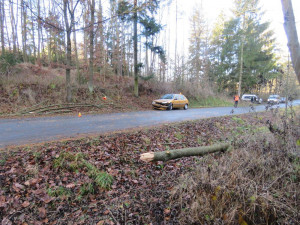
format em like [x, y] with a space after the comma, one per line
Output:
[101, 180]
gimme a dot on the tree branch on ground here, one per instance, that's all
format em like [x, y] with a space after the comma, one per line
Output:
[185, 152]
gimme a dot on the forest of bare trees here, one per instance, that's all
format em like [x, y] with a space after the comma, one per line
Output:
[130, 38]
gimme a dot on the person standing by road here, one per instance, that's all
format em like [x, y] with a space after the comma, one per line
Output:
[236, 100]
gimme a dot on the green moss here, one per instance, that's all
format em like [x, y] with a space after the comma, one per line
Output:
[179, 136]
[86, 189]
[59, 192]
[238, 120]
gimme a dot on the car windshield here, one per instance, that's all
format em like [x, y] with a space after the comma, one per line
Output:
[167, 96]
[274, 96]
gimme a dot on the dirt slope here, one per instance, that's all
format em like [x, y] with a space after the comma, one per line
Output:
[32, 87]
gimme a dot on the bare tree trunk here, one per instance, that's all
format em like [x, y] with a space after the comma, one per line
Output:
[68, 66]
[176, 41]
[12, 21]
[7, 34]
[49, 34]
[136, 78]
[76, 53]
[101, 36]
[39, 32]
[291, 33]
[2, 16]
[33, 32]
[146, 57]
[85, 35]
[16, 28]
[118, 56]
[75, 48]
[91, 61]
[24, 30]
[185, 152]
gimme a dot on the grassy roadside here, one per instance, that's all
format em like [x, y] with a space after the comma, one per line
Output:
[209, 102]
[214, 102]
[102, 181]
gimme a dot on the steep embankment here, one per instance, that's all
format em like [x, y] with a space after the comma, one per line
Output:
[42, 91]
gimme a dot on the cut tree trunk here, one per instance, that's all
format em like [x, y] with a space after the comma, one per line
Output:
[185, 152]
[291, 33]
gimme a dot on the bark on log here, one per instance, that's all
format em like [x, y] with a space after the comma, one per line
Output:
[185, 152]
[291, 33]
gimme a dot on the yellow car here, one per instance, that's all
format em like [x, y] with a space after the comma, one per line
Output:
[171, 101]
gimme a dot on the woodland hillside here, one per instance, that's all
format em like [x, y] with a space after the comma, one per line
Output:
[36, 87]
[92, 46]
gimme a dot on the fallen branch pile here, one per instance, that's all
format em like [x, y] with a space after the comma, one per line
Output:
[59, 108]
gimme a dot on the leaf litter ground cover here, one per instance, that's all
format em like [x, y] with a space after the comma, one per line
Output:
[102, 181]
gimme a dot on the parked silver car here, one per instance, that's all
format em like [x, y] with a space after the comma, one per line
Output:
[274, 99]
[252, 98]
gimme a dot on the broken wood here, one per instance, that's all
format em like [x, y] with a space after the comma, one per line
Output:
[184, 152]
[57, 107]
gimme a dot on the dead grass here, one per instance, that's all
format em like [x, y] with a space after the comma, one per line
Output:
[30, 85]
[257, 183]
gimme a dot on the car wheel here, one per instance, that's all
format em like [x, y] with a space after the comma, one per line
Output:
[185, 107]
[170, 106]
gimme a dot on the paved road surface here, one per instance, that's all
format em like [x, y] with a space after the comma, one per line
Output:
[37, 130]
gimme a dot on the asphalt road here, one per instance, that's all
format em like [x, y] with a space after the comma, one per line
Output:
[15, 132]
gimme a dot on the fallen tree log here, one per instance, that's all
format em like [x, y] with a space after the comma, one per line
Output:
[184, 152]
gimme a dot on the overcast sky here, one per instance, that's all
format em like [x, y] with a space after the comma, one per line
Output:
[212, 8]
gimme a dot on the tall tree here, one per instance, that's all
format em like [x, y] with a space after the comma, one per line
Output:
[246, 49]
[291, 33]
[24, 30]
[197, 48]
[76, 50]
[69, 14]
[2, 16]
[91, 61]
[100, 37]
[32, 22]
[13, 26]
[39, 22]
[136, 78]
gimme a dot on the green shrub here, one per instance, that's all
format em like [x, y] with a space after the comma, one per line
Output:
[104, 180]
[86, 189]
[7, 61]
[58, 192]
